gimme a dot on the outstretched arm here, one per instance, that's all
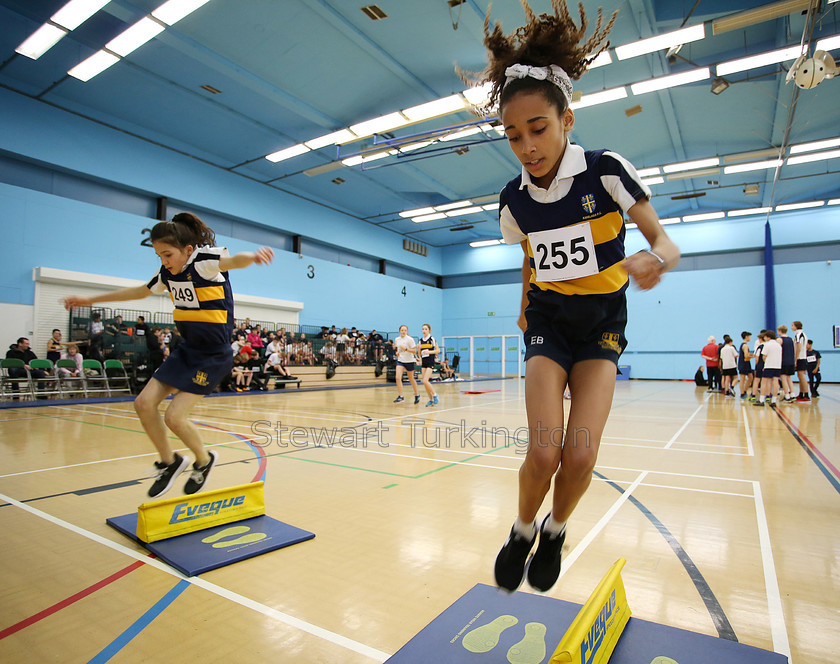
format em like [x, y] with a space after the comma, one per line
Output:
[121, 295]
[261, 256]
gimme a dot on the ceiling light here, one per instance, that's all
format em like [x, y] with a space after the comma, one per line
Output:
[323, 168]
[829, 43]
[663, 82]
[599, 98]
[173, 11]
[452, 206]
[754, 154]
[690, 165]
[816, 145]
[661, 42]
[479, 95]
[749, 212]
[76, 12]
[485, 243]
[604, 58]
[814, 156]
[95, 64]
[834, 201]
[686, 175]
[365, 158]
[799, 206]
[466, 210]
[669, 220]
[658, 179]
[753, 166]
[706, 216]
[134, 37]
[340, 136]
[631, 225]
[491, 206]
[435, 108]
[647, 172]
[378, 125]
[287, 153]
[461, 134]
[751, 189]
[417, 212]
[719, 84]
[41, 41]
[759, 15]
[414, 146]
[429, 217]
[760, 60]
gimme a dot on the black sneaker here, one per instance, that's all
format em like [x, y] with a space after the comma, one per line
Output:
[166, 475]
[510, 563]
[416, 399]
[198, 477]
[544, 566]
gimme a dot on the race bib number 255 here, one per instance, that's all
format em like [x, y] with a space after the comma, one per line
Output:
[564, 253]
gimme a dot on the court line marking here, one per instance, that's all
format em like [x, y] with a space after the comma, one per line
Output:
[778, 627]
[569, 560]
[750, 450]
[291, 621]
[687, 422]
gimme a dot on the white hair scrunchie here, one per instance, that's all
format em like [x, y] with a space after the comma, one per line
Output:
[552, 73]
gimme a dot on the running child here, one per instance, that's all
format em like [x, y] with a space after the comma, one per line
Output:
[195, 272]
[566, 209]
[406, 353]
[428, 351]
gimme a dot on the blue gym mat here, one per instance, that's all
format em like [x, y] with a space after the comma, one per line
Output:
[195, 553]
[522, 623]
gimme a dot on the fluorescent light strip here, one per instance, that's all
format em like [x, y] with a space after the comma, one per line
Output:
[706, 216]
[604, 58]
[799, 206]
[631, 225]
[599, 98]
[760, 60]
[658, 179]
[661, 42]
[490, 206]
[134, 37]
[647, 172]
[478, 95]
[452, 206]
[76, 12]
[41, 41]
[461, 134]
[816, 145]
[429, 217]
[754, 166]
[365, 158]
[378, 125]
[669, 220]
[417, 212]
[432, 109]
[485, 243]
[748, 212]
[467, 210]
[829, 43]
[814, 156]
[173, 11]
[340, 136]
[834, 201]
[691, 165]
[287, 153]
[414, 146]
[663, 82]
[95, 64]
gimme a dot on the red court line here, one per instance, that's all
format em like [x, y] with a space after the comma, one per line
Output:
[70, 600]
[810, 445]
[260, 452]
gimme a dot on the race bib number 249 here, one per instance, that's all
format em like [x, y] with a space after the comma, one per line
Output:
[561, 254]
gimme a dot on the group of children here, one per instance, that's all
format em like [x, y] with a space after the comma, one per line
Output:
[408, 352]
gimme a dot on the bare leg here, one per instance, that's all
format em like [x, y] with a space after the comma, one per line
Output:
[400, 372]
[146, 406]
[177, 419]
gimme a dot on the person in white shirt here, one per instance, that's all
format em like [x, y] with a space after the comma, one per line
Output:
[772, 353]
[405, 347]
[800, 352]
[729, 365]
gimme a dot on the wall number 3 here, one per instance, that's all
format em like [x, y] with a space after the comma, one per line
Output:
[310, 271]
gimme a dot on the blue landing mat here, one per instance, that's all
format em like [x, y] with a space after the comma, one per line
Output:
[195, 553]
[446, 639]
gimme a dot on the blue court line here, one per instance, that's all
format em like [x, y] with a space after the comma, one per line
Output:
[123, 639]
[722, 624]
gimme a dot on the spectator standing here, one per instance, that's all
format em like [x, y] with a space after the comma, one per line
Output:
[800, 340]
[814, 376]
[141, 329]
[710, 354]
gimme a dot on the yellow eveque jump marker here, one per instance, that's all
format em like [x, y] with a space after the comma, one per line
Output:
[171, 517]
[594, 632]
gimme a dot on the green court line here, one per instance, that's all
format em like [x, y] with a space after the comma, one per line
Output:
[390, 486]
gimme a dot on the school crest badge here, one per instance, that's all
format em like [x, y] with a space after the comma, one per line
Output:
[611, 341]
[588, 203]
[200, 378]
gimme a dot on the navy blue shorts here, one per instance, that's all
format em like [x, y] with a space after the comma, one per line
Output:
[771, 373]
[428, 362]
[195, 370]
[745, 370]
[570, 328]
[787, 369]
[409, 366]
[802, 365]
[730, 372]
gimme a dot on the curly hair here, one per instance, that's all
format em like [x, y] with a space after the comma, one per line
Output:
[542, 41]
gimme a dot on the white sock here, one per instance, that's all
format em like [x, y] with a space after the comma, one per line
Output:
[553, 527]
[527, 530]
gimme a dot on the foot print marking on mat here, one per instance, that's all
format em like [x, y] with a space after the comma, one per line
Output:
[664, 660]
[531, 649]
[227, 532]
[245, 539]
[486, 637]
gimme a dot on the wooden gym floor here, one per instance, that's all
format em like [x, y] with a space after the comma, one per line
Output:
[727, 516]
